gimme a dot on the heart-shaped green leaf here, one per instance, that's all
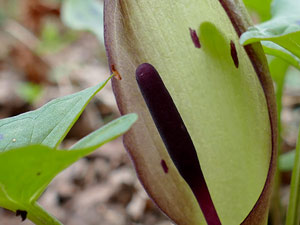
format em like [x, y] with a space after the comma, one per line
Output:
[222, 91]
[283, 29]
[47, 125]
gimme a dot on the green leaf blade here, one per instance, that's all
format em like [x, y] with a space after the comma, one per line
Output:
[273, 49]
[35, 166]
[283, 29]
[106, 133]
[47, 125]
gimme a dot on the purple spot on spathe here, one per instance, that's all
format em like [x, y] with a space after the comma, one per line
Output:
[234, 54]
[164, 166]
[1, 137]
[195, 38]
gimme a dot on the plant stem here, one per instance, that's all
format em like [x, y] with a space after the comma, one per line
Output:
[276, 207]
[40, 216]
[293, 214]
[278, 69]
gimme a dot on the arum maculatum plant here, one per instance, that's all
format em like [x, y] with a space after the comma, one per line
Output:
[204, 146]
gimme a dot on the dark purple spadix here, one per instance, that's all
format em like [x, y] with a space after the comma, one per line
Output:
[175, 137]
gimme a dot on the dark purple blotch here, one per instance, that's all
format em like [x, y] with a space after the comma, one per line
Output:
[195, 38]
[164, 166]
[234, 54]
[175, 137]
[22, 213]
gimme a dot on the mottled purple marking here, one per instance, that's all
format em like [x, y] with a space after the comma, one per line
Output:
[22, 213]
[195, 38]
[234, 54]
[164, 166]
[298, 22]
[1, 137]
[175, 137]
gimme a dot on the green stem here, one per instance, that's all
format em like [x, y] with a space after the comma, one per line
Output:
[278, 69]
[40, 216]
[276, 207]
[293, 214]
